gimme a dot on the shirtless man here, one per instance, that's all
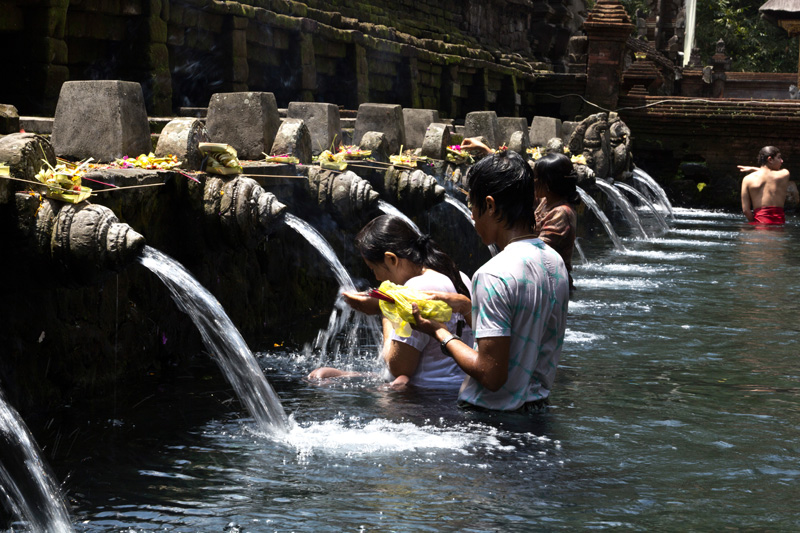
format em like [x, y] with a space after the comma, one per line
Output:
[764, 189]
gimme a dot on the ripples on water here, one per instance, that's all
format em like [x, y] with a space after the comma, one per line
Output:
[675, 408]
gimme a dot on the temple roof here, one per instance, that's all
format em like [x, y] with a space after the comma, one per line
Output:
[781, 9]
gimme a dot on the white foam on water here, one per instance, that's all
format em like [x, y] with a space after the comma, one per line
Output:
[705, 233]
[687, 242]
[593, 305]
[661, 256]
[580, 337]
[703, 213]
[633, 284]
[622, 268]
[353, 437]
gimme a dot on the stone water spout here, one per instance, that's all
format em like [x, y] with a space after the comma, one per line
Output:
[605, 141]
[412, 191]
[345, 195]
[86, 238]
[246, 212]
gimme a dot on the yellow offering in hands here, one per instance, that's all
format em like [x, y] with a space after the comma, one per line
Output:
[399, 313]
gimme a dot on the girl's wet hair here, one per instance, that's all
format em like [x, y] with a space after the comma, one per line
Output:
[506, 177]
[390, 233]
[557, 174]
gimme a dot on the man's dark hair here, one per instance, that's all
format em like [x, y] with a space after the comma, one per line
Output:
[765, 153]
[506, 177]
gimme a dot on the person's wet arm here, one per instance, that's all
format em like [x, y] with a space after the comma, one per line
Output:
[488, 365]
[402, 359]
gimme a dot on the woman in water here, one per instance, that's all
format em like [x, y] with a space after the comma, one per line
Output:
[556, 191]
[397, 252]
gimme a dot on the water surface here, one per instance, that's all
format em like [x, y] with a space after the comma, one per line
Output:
[675, 408]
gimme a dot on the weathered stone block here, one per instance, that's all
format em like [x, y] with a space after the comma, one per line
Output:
[385, 118]
[100, 119]
[567, 128]
[9, 119]
[519, 142]
[436, 141]
[508, 126]
[377, 143]
[293, 139]
[482, 124]
[543, 129]
[416, 122]
[248, 121]
[25, 154]
[322, 121]
[180, 138]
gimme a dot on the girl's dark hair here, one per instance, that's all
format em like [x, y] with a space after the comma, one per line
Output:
[558, 175]
[390, 233]
[507, 178]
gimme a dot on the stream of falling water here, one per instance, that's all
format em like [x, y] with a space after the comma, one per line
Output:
[222, 339]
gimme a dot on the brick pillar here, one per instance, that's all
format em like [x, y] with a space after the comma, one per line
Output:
[37, 79]
[414, 81]
[607, 28]
[308, 66]
[241, 69]
[362, 74]
[158, 79]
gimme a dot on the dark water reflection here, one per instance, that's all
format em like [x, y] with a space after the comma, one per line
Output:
[676, 408]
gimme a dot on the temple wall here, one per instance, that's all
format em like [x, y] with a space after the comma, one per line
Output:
[451, 56]
[684, 141]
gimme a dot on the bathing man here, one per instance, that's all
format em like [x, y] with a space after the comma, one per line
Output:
[764, 189]
[519, 297]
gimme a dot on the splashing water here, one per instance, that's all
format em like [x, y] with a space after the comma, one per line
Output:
[222, 339]
[662, 222]
[341, 338]
[25, 481]
[389, 209]
[650, 183]
[624, 205]
[589, 201]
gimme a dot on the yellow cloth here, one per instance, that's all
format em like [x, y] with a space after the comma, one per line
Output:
[399, 313]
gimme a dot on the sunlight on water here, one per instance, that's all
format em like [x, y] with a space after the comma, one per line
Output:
[661, 256]
[620, 268]
[686, 242]
[633, 284]
[706, 233]
[581, 337]
[703, 213]
[353, 436]
[586, 306]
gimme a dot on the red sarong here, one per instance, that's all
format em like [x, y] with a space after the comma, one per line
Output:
[769, 215]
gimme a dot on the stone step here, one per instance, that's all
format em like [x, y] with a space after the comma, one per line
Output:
[40, 125]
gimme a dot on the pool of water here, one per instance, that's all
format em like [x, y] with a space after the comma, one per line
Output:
[675, 408]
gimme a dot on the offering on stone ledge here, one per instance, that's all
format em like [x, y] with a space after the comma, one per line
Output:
[458, 156]
[148, 161]
[63, 181]
[283, 158]
[220, 158]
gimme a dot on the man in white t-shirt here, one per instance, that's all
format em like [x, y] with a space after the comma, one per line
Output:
[519, 297]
